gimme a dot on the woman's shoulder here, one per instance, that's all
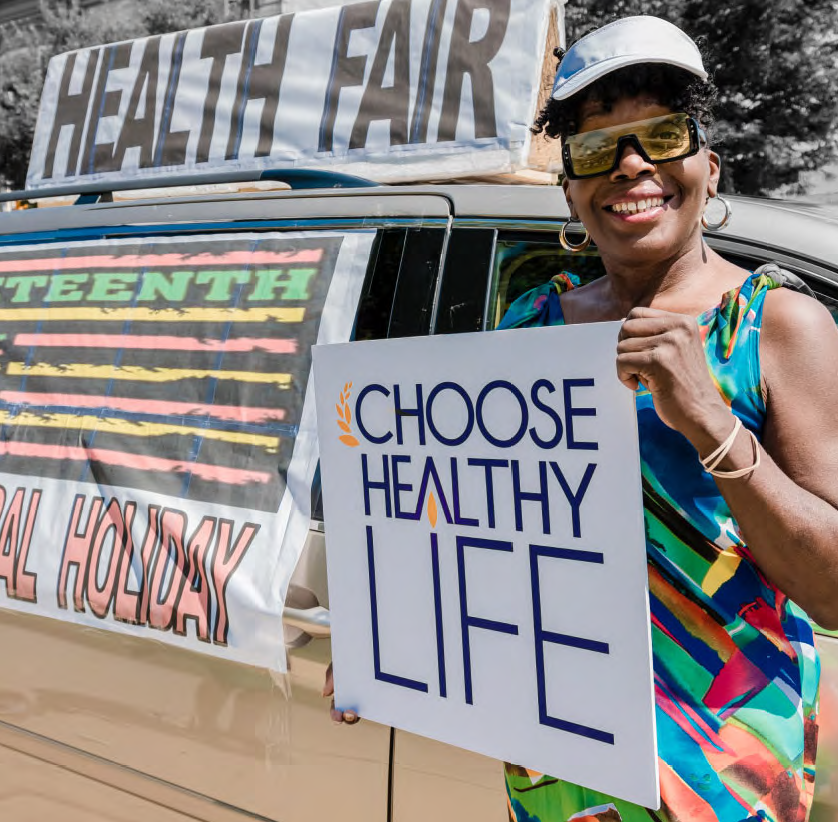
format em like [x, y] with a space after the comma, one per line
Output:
[540, 305]
[794, 320]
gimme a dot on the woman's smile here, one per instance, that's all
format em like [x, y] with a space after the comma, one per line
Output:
[638, 205]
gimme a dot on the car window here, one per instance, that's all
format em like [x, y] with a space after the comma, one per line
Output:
[400, 284]
[525, 260]
[462, 297]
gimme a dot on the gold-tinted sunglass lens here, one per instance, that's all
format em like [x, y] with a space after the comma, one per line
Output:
[662, 138]
[665, 137]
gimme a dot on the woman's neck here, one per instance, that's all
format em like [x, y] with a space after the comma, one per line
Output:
[636, 282]
[688, 283]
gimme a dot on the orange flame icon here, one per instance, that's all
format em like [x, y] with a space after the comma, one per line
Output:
[432, 511]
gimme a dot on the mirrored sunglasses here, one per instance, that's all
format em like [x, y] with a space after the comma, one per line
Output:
[657, 139]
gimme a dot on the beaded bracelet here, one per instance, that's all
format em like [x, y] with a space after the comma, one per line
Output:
[710, 462]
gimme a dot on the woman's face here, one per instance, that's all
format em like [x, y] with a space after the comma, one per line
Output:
[660, 232]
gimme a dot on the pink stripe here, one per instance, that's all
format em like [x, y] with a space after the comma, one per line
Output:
[167, 409]
[247, 259]
[135, 341]
[214, 473]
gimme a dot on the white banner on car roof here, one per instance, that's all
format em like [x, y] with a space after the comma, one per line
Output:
[393, 90]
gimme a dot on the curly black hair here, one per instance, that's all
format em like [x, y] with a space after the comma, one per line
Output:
[673, 87]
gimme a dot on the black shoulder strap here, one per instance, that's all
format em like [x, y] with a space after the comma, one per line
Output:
[786, 277]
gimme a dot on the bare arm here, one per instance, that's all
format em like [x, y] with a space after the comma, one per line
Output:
[787, 509]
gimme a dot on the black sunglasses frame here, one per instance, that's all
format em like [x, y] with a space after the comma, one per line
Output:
[696, 133]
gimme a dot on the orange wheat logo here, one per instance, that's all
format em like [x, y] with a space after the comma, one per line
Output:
[345, 417]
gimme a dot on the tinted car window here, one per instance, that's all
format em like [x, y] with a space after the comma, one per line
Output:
[524, 261]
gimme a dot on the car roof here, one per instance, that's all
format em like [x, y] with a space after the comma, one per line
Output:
[807, 229]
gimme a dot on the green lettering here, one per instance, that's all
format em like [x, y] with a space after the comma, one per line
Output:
[113, 286]
[171, 286]
[293, 284]
[221, 283]
[23, 286]
[62, 290]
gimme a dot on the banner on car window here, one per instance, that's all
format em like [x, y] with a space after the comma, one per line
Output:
[486, 548]
[158, 438]
[393, 90]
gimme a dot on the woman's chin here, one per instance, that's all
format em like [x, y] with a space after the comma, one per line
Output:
[657, 244]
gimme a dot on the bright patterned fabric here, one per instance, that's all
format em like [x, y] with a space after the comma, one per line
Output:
[736, 671]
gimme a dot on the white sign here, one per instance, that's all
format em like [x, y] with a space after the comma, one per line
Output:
[486, 549]
[159, 438]
[392, 90]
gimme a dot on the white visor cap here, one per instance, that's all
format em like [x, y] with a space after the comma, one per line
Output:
[625, 42]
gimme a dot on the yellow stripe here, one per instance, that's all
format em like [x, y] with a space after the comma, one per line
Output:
[107, 425]
[720, 571]
[163, 315]
[135, 372]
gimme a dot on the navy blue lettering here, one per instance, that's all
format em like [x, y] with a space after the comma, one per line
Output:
[430, 473]
[398, 487]
[574, 499]
[488, 466]
[401, 412]
[435, 392]
[522, 428]
[468, 621]
[455, 497]
[362, 395]
[570, 412]
[550, 412]
[370, 485]
[519, 496]
[440, 636]
[540, 636]
[383, 676]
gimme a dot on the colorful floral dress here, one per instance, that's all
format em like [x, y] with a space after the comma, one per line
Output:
[735, 665]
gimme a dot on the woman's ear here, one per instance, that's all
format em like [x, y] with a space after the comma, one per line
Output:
[566, 189]
[715, 173]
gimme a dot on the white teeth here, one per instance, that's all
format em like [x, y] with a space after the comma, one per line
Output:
[637, 207]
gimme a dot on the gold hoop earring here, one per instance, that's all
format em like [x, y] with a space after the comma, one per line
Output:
[569, 246]
[721, 223]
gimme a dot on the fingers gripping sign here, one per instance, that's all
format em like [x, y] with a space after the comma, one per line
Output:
[664, 351]
[338, 716]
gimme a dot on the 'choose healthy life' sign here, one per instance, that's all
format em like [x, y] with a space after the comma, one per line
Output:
[485, 539]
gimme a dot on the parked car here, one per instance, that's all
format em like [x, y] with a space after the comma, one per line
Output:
[98, 726]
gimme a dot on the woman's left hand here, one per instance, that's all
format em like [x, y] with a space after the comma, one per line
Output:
[787, 510]
[664, 351]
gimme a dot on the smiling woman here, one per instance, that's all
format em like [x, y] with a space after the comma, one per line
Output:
[737, 436]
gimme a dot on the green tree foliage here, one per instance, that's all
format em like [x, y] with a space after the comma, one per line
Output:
[776, 65]
[25, 52]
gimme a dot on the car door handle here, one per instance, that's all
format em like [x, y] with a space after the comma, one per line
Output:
[316, 622]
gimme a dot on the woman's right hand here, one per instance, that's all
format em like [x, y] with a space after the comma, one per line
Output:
[347, 717]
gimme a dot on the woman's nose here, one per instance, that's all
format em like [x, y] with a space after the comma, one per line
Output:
[632, 164]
